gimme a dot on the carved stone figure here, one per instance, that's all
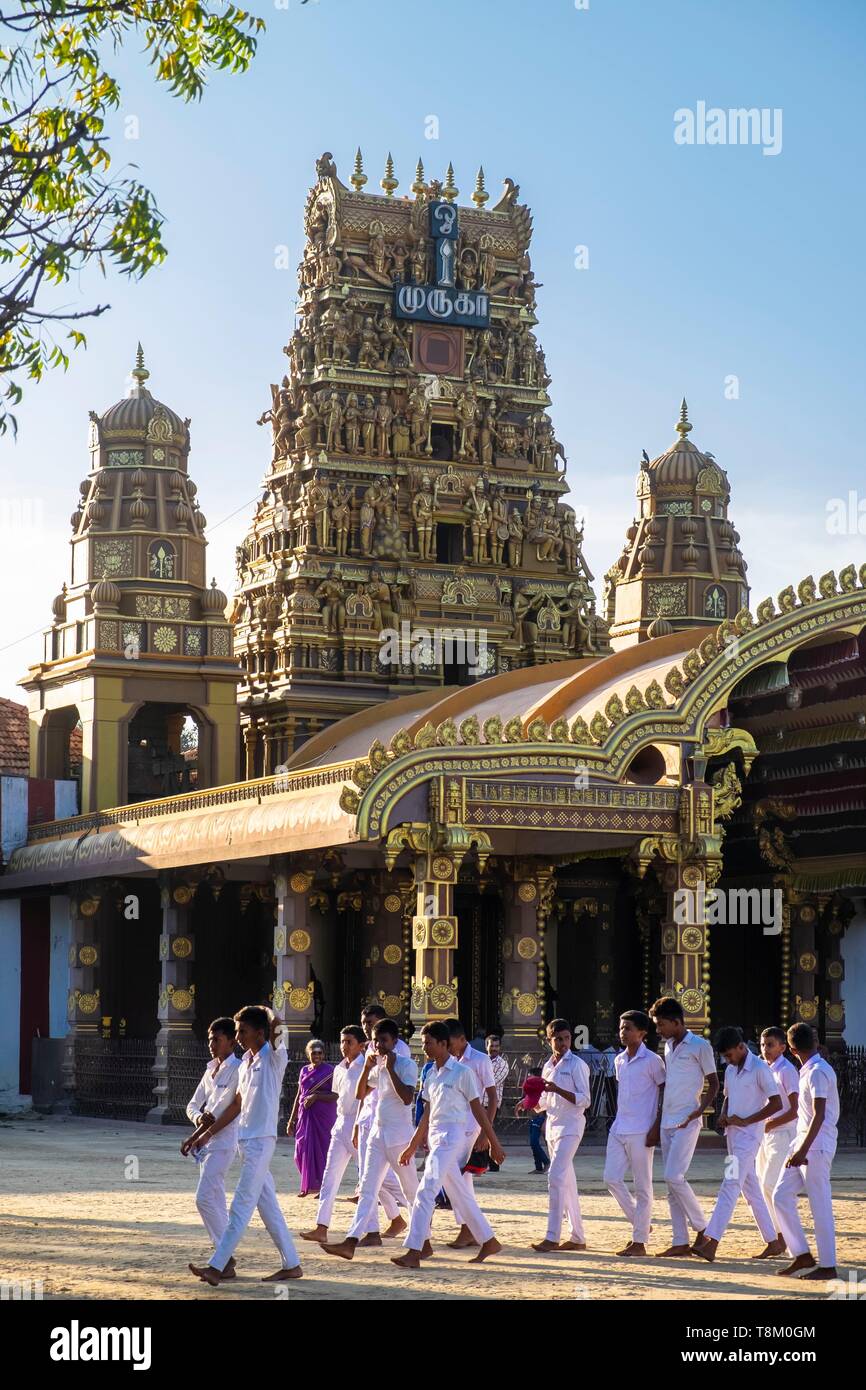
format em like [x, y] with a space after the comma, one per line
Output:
[498, 524]
[576, 613]
[384, 416]
[368, 416]
[368, 518]
[330, 591]
[423, 514]
[479, 510]
[341, 516]
[384, 604]
[334, 423]
[319, 499]
[487, 433]
[352, 423]
[466, 410]
[307, 427]
[420, 413]
[368, 351]
[515, 539]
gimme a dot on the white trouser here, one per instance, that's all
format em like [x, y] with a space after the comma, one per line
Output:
[678, 1145]
[380, 1160]
[210, 1195]
[341, 1151]
[390, 1193]
[562, 1185]
[624, 1152]
[256, 1189]
[740, 1176]
[814, 1176]
[442, 1169]
[460, 1188]
[775, 1147]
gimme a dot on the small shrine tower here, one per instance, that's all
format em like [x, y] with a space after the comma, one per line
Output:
[680, 566]
[136, 690]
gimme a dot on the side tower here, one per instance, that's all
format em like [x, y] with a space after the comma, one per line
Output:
[136, 689]
[411, 532]
[680, 566]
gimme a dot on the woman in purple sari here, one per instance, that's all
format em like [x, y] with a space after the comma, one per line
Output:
[312, 1118]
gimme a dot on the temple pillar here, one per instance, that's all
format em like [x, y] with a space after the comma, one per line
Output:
[176, 1003]
[294, 987]
[83, 998]
[250, 739]
[434, 939]
[833, 973]
[804, 959]
[692, 864]
[387, 916]
[527, 902]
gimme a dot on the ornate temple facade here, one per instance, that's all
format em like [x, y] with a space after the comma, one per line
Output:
[464, 791]
[416, 482]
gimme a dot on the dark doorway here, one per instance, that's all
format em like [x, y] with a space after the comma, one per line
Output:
[478, 959]
[442, 442]
[745, 977]
[234, 952]
[449, 543]
[35, 972]
[129, 971]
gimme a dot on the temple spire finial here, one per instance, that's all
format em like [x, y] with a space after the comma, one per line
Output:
[480, 196]
[450, 189]
[139, 372]
[683, 426]
[358, 177]
[387, 181]
[419, 187]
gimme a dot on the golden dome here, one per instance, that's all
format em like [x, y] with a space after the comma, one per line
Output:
[140, 413]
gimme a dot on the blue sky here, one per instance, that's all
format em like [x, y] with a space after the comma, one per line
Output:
[705, 262]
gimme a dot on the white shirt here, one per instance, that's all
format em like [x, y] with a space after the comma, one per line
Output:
[480, 1064]
[392, 1118]
[449, 1091]
[748, 1088]
[212, 1094]
[637, 1096]
[344, 1082]
[260, 1084]
[817, 1078]
[565, 1116]
[368, 1104]
[788, 1081]
[685, 1068]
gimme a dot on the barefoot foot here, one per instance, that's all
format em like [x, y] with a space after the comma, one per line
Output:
[490, 1247]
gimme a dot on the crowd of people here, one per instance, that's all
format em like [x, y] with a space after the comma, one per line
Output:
[373, 1108]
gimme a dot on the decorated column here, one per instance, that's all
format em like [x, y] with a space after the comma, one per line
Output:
[527, 905]
[176, 1004]
[805, 913]
[294, 991]
[835, 922]
[434, 938]
[83, 1000]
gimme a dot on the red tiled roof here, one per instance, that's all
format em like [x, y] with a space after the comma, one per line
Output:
[14, 739]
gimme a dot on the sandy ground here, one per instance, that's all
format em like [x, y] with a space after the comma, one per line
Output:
[73, 1214]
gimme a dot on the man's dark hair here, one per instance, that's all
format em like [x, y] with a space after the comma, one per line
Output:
[668, 1008]
[387, 1025]
[256, 1016]
[774, 1031]
[535, 1071]
[493, 1034]
[801, 1036]
[226, 1026]
[438, 1031]
[559, 1025]
[455, 1028]
[372, 1011]
[354, 1030]
[638, 1018]
[726, 1038]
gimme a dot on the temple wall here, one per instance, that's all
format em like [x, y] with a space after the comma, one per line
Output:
[10, 997]
[854, 956]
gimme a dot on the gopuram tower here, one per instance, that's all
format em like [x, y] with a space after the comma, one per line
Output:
[412, 532]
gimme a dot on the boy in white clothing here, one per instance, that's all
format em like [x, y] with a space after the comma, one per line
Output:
[564, 1100]
[751, 1098]
[341, 1149]
[256, 1106]
[809, 1163]
[691, 1084]
[640, 1078]
[214, 1092]
[450, 1093]
[395, 1079]
[779, 1131]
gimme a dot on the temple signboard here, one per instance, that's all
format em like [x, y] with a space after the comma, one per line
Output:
[443, 302]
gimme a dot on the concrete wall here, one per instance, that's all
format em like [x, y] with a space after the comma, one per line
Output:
[10, 997]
